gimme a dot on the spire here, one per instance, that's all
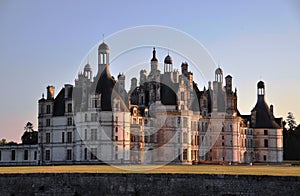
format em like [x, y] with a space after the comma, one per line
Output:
[154, 55]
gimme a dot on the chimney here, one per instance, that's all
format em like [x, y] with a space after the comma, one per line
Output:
[272, 109]
[50, 92]
[68, 91]
[184, 68]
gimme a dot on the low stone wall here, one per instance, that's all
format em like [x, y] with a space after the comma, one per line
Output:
[146, 184]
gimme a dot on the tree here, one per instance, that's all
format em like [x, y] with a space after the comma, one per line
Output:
[30, 136]
[3, 141]
[28, 127]
[11, 143]
[290, 120]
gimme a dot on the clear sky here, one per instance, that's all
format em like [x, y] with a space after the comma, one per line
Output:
[43, 43]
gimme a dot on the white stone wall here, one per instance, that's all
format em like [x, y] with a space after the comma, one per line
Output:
[6, 155]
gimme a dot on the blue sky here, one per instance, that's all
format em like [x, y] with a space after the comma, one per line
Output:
[43, 42]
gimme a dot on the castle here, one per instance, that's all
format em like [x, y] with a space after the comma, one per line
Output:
[163, 118]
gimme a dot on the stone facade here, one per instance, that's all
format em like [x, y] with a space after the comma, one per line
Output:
[164, 118]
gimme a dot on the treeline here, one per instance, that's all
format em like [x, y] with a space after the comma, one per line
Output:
[29, 137]
[291, 139]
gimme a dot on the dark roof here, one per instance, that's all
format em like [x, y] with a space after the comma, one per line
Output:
[105, 85]
[103, 46]
[260, 84]
[168, 94]
[168, 60]
[219, 71]
[196, 100]
[59, 103]
[264, 117]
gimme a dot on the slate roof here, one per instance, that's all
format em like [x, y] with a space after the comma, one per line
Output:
[264, 117]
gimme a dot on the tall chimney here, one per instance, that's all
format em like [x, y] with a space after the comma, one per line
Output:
[50, 92]
[272, 109]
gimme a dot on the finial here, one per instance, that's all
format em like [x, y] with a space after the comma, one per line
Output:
[43, 95]
[103, 37]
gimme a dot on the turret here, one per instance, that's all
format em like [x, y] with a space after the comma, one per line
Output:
[88, 73]
[228, 83]
[219, 75]
[168, 64]
[154, 61]
[103, 58]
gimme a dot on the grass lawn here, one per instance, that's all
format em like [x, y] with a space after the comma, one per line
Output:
[167, 169]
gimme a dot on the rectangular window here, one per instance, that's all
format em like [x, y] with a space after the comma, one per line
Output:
[48, 109]
[85, 134]
[35, 155]
[184, 155]
[184, 137]
[13, 155]
[185, 122]
[93, 134]
[69, 107]
[182, 107]
[70, 122]
[69, 137]
[47, 155]
[25, 154]
[116, 138]
[85, 117]
[63, 137]
[93, 153]
[265, 132]
[47, 138]
[69, 154]
[95, 103]
[266, 143]
[94, 117]
[48, 122]
[265, 157]
[85, 153]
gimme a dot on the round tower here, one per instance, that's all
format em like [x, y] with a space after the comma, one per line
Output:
[168, 64]
[103, 58]
[88, 72]
[261, 88]
[219, 75]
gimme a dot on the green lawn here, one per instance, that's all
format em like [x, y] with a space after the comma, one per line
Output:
[168, 169]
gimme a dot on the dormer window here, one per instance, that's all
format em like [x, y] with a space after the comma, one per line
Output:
[134, 111]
